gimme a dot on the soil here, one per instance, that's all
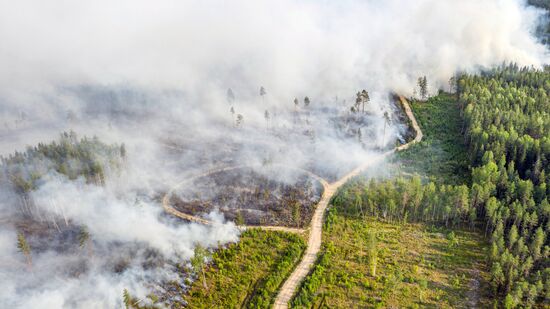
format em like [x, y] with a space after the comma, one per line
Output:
[252, 198]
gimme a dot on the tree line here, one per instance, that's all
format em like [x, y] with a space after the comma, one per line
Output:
[507, 132]
[69, 156]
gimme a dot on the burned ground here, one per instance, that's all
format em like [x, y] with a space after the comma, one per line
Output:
[250, 197]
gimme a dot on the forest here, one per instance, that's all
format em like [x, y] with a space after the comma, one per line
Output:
[543, 30]
[275, 154]
[506, 131]
[69, 156]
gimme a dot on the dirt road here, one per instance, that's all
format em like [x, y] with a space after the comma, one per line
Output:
[316, 226]
[314, 242]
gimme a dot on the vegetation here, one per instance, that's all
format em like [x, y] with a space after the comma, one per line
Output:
[507, 129]
[24, 248]
[441, 153]
[368, 263]
[68, 156]
[407, 200]
[544, 29]
[198, 261]
[247, 274]
[362, 98]
[423, 87]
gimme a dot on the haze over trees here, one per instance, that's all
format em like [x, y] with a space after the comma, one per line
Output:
[230, 96]
[176, 80]
[423, 87]
[263, 93]
[507, 133]
[361, 98]
[24, 248]
[69, 156]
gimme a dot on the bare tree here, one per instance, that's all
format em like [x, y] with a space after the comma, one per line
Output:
[232, 111]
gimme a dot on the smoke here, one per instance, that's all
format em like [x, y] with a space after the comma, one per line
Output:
[154, 75]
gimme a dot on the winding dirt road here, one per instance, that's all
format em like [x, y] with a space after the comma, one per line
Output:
[316, 226]
[314, 242]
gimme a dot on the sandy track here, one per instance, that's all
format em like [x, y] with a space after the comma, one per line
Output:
[314, 242]
[288, 288]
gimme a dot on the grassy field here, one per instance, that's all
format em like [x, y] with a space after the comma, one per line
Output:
[441, 153]
[248, 274]
[417, 267]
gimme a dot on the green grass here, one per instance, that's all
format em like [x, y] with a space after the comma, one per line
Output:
[248, 274]
[442, 153]
[418, 266]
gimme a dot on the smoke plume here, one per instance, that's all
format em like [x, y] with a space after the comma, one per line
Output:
[155, 76]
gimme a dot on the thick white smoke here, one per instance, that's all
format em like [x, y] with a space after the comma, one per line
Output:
[288, 46]
[151, 72]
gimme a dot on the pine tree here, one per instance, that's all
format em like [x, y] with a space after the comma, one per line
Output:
[365, 98]
[24, 248]
[372, 252]
[127, 299]
[262, 93]
[423, 85]
[386, 122]
[198, 262]
[85, 240]
[358, 101]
